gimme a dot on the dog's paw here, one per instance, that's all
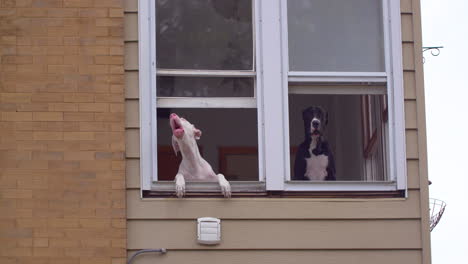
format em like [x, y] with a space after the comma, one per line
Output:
[225, 186]
[179, 186]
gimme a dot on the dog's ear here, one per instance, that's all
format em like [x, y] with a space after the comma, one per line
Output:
[175, 145]
[325, 115]
[197, 133]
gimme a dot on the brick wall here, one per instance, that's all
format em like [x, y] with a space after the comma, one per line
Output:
[62, 168]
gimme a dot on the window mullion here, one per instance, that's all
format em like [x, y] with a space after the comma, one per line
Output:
[273, 106]
[396, 113]
[147, 84]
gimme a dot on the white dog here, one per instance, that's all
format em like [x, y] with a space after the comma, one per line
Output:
[193, 167]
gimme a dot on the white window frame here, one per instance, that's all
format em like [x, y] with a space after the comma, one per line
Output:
[273, 76]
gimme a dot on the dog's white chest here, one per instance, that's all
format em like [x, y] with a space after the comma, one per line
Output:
[317, 167]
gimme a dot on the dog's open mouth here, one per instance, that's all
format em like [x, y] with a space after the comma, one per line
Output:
[315, 133]
[176, 126]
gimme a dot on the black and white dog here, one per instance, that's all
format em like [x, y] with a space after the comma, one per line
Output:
[314, 158]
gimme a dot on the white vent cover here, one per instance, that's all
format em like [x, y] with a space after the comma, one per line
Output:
[209, 230]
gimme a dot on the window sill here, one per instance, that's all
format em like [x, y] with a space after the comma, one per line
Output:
[296, 189]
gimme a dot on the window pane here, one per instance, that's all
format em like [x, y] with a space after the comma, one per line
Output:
[355, 132]
[169, 86]
[204, 34]
[228, 141]
[335, 35]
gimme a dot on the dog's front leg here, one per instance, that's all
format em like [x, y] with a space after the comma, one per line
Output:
[225, 186]
[180, 185]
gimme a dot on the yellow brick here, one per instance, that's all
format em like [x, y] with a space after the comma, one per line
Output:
[48, 116]
[16, 97]
[41, 242]
[54, 59]
[109, 117]
[109, 22]
[116, 12]
[108, 60]
[8, 40]
[79, 155]
[31, 68]
[108, 3]
[118, 185]
[63, 243]
[117, 108]
[48, 252]
[79, 135]
[118, 165]
[58, 223]
[119, 223]
[16, 116]
[119, 243]
[32, 12]
[94, 69]
[47, 97]
[16, 194]
[119, 261]
[78, 116]
[98, 165]
[31, 223]
[79, 97]
[17, 252]
[116, 69]
[62, 69]
[94, 107]
[93, 12]
[48, 135]
[116, 51]
[24, 242]
[47, 3]
[94, 50]
[95, 242]
[95, 223]
[65, 107]
[62, 12]
[77, 3]
[32, 107]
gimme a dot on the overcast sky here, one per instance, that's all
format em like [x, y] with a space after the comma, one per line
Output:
[445, 23]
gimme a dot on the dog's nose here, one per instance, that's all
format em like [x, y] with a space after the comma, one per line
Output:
[315, 124]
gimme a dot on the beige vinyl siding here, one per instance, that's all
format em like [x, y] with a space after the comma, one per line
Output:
[282, 230]
[273, 208]
[285, 256]
[280, 234]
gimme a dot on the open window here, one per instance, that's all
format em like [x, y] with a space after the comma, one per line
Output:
[244, 70]
[206, 72]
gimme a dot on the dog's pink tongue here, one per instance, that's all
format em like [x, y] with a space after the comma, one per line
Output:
[179, 132]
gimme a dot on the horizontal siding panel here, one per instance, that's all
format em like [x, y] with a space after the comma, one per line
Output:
[131, 85]
[131, 56]
[408, 56]
[412, 167]
[406, 6]
[132, 114]
[132, 139]
[131, 5]
[272, 208]
[279, 234]
[131, 27]
[411, 120]
[407, 27]
[412, 144]
[282, 256]
[409, 79]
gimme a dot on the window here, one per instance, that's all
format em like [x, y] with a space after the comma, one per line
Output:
[244, 70]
